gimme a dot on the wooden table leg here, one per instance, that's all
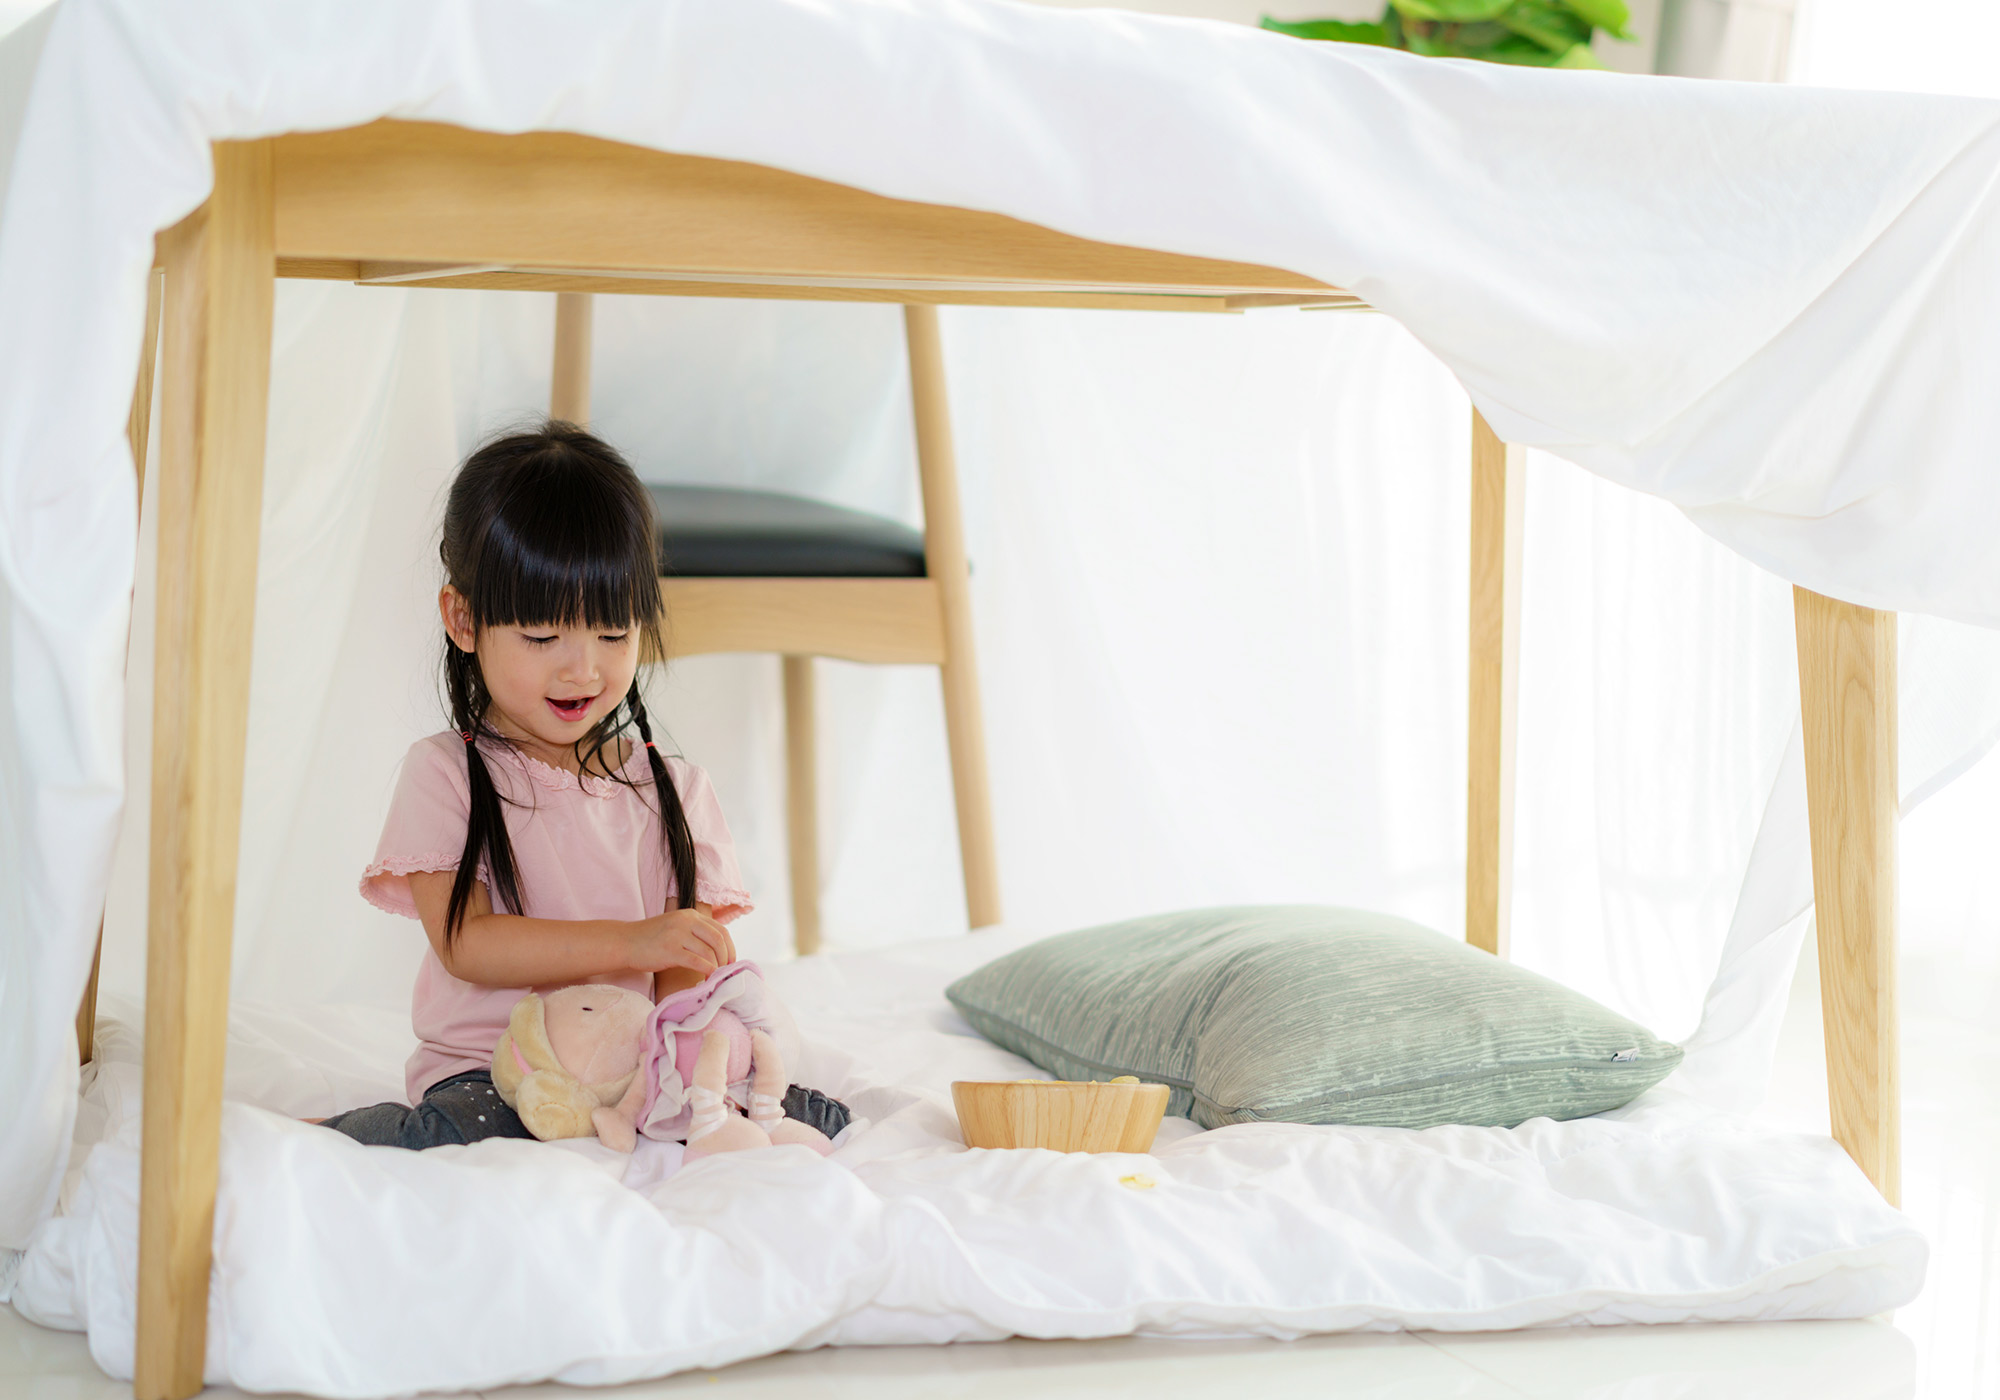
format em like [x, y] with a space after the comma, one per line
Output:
[945, 561]
[86, 1010]
[216, 376]
[138, 423]
[1498, 491]
[1847, 699]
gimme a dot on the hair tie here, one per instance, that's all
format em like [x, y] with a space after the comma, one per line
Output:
[465, 734]
[649, 743]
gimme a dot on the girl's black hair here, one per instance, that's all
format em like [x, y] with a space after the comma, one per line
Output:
[550, 528]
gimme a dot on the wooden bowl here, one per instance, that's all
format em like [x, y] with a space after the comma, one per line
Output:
[1060, 1115]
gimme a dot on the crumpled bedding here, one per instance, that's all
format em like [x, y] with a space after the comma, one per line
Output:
[342, 1270]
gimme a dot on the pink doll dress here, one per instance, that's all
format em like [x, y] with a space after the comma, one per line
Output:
[732, 1000]
[583, 849]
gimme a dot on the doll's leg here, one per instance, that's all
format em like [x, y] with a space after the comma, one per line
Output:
[767, 1082]
[715, 1126]
[767, 1098]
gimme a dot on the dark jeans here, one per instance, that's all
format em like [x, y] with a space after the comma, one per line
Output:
[466, 1108]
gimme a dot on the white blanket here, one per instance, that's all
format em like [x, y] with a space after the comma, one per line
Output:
[1771, 307]
[343, 1270]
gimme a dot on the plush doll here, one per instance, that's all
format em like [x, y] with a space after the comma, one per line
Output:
[569, 1063]
[603, 1060]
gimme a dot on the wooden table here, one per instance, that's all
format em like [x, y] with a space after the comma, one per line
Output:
[434, 206]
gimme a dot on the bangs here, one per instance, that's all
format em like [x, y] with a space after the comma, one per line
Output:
[567, 544]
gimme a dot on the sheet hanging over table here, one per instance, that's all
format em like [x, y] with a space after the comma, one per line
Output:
[1766, 305]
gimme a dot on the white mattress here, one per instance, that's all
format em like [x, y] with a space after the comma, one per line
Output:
[350, 1271]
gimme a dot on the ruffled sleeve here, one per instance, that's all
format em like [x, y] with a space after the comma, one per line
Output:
[425, 829]
[718, 882]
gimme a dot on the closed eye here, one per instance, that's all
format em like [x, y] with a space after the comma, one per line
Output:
[537, 641]
[615, 638]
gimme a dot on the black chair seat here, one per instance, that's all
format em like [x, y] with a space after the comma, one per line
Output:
[720, 532]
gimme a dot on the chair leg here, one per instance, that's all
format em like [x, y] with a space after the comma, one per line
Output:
[220, 264]
[1847, 700]
[1498, 494]
[945, 561]
[802, 801]
[138, 423]
[569, 380]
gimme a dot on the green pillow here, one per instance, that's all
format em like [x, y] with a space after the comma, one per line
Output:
[1303, 1014]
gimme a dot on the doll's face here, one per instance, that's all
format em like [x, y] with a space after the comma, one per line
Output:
[549, 684]
[597, 1032]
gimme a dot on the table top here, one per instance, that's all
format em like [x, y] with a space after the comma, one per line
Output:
[428, 205]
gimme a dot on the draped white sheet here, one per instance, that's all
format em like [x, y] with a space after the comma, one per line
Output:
[1220, 563]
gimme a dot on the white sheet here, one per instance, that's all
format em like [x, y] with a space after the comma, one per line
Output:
[1745, 300]
[351, 1271]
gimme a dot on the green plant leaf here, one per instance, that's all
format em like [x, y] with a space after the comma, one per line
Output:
[1609, 15]
[1476, 39]
[1552, 25]
[1532, 33]
[1334, 30]
[1521, 52]
[1579, 56]
[1450, 11]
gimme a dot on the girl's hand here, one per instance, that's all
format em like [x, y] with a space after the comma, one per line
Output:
[682, 938]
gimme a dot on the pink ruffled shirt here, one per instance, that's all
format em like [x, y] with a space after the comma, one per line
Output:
[583, 849]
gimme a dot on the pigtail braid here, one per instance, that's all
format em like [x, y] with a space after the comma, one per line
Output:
[486, 824]
[673, 817]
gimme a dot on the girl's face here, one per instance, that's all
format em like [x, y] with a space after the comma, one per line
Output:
[549, 684]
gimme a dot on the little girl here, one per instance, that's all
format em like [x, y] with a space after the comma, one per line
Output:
[539, 844]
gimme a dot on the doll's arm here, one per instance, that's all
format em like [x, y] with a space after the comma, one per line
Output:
[618, 1126]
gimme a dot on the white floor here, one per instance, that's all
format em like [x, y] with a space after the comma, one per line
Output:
[1767, 1361]
[1946, 1345]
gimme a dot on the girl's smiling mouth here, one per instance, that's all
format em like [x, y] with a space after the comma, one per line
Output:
[573, 709]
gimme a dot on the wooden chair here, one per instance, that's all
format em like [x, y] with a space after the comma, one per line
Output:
[754, 571]
[439, 206]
